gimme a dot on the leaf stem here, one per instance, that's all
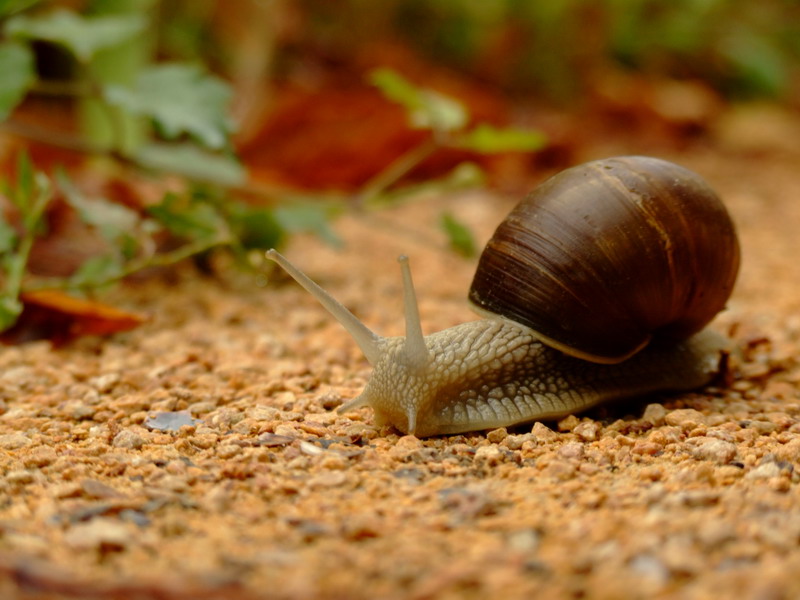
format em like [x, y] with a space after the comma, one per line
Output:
[396, 170]
[17, 263]
[156, 260]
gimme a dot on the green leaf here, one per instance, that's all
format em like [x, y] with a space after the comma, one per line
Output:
[188, 219]
[16, 75]
[97, 271]
[397, 88]
[757, 64]
[256, 228]
[181, 99]
[10, 310]
[22, 193]
[488, 139]
[441, 113]
[114, 221]
[309, 217]
[83, 36]
[192, 162]
[426, 108]
[9, 7]
[464, 175]
[459, 236]
[8, 237]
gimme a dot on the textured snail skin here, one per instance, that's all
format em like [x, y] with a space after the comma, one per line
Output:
[492, 373]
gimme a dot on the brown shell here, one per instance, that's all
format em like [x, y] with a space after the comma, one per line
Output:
[604, 256]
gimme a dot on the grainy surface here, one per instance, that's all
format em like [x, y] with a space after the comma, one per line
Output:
[273, 495]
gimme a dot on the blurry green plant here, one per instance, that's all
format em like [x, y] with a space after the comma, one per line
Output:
[30, 195]
[744, 49]
[171, 118]
[449, 122]
[167, 117]
[195, 223]
[556, 49]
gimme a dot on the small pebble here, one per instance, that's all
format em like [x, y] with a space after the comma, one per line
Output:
[713, 449]
[128, 439]
[13, 441]
[654, 414]
[497, 435]
[99, 533]
[490, 455]
[542, 433]
[587, 431]
[685, 418]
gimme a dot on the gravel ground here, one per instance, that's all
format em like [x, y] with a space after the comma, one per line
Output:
[266, 492]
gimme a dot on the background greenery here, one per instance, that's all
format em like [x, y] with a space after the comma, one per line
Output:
[150, 85]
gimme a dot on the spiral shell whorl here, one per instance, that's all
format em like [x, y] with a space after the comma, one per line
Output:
[604, 256]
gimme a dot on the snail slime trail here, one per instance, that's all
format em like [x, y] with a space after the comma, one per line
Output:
[617, 266]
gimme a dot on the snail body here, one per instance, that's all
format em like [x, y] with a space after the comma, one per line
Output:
[529, 360]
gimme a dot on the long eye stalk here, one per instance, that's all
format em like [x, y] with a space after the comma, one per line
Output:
[367, 340]
[415, 351]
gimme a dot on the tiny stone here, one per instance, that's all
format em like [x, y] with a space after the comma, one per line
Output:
[497, 435]
[174, 483]
[526, 540]
[699, 498]
[262, 413]
[709, 448]
[128, 439]
[587, 430]
[205, 440]
[330, 400]
[19, 477]
[333, 462]
[645, 448]
[285, 430]
[201, 408]
[571, 450]
[40, 457]
[651, 567]
[13, 441]
[561, 470]
[542, 433]
[97, 489]
[104, 383]
[405, 447]
[81, 411]
[763, 427]
[99, 533]
[686, 418]
[310, 449]
[515, 442]
[489, 454]
[285, 399]
[328, 479]
[766, 470]
[270, 440]
[226, 451]
[654, 414]
[568, 423]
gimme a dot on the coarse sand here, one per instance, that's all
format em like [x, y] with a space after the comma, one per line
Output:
[269, 493]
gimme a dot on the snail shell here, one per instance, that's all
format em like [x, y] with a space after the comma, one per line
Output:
[604, 256]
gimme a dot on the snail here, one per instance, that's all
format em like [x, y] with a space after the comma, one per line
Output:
[597, 286]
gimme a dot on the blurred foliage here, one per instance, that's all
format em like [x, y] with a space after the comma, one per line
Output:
[558, 49]
[151, 84]
[171, 117]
